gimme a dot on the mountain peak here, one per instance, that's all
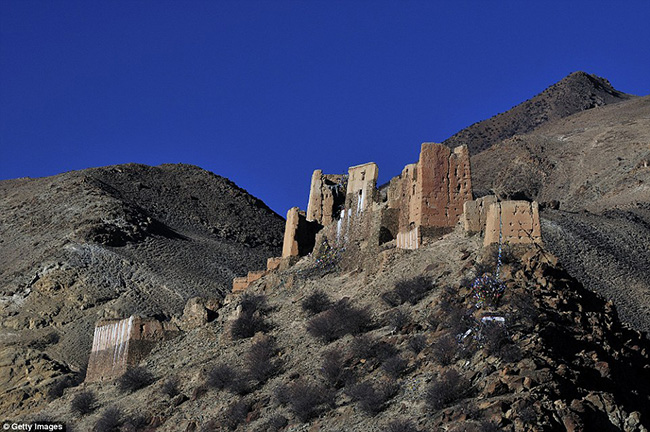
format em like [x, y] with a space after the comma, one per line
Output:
[576, 92]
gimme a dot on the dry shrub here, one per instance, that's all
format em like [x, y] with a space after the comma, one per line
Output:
[134, 379]
[250, 319]
[394, 366]
[401, 425]
[109, 421]
[341, 319]
[398, 319]
[316, 302]
[333, 368]
[261, 364]
[170, 387]
[222, 376]
[367, 347]
[83, 403]
[236, 413]
[409, 290]
[417, 343]
[305, 400]
[449, 387]
[445, 350]
[372, 399]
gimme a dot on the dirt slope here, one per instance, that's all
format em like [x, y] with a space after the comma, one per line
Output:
[561, 361]
[111, 242]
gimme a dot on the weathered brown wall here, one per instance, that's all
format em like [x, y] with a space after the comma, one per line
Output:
[519, 223]
[362, 186]
[326, 195]
[299, 234]
[475, 213]
[120, 344]
[443, 185]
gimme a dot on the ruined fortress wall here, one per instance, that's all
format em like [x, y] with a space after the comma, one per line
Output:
[120, 344]
[362, 185]
[299, 234]
[475, 213]
[519, 223]
[325, 197]
[442, 187]
[409, 239]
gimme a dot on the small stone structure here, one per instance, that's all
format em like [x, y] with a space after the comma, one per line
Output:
[475, 213]
[519, 221]
[120, 344]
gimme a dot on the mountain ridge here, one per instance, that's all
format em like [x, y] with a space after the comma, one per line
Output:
[576, 92]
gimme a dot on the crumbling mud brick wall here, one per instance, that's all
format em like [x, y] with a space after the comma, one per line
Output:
[326, 197]
[362, 187]
[299, 234]
[443, 185]
[519, 221]
[475, 213]
[430, 194]
[120, 344]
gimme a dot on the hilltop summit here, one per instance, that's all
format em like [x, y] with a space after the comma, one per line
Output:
[576, 92]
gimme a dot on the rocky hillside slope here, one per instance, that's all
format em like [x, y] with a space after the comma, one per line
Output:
[594, 169]
[577, 92]
[111, 242]
[409, 346]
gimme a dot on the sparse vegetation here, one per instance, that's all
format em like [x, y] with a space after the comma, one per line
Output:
[401, 425]
[110, 420]
[372, 399]
[398, 319]
[276, 423]
[83, 403]
[333, 368]
[250, 319]
[136, 422]
[450, 386]
[170, 387]
[394, 366]
[341, 319]
[409, 290]
[236, 413]
[260, 360]
[224, 377]
[135, 379]
[305, 400]
[316, 302]
[366, 347]
[417, 343]
[445, 350]
[67, 381]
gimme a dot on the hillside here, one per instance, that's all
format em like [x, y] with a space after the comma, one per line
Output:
[577, 92]
[594, 167]
[403, 348]
[114, 241]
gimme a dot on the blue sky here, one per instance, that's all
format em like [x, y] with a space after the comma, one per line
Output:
[264, 92]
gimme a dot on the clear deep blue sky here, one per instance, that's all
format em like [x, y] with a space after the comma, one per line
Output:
[264, 92]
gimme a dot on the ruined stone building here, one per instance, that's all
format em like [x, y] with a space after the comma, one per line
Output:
[425, 201]
[121, 343]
